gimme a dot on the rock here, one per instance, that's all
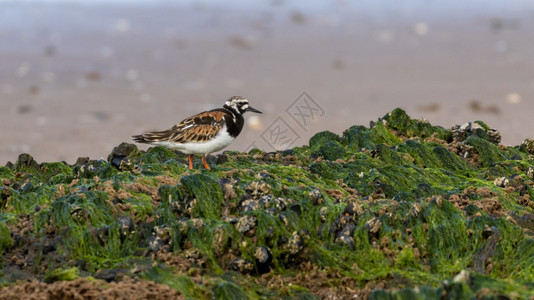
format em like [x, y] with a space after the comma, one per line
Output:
[297, 208]
[123, 150]
[528, 145]
[530, 172]
[495, 136]
[122, 163]
[315, 196]
[263, 175]
[26, 187]
[197, 223]
[126, 225]
[246, 223]
[288, 152]
[466, 127]
[501, 182]
[462, 277]
[373, 226]
[485, 253]
[220, 240]
[230, 220]
[282, 203]
[415, 209]
[346, 240]
[107, 275]
[271, 156]
[348, 230]
[263, 255]
[250, 205]
[82, 160]
[478, 128]
[258, 188]
[353, 209]
[49, 248]
[284, 220]
[266, 201]
[155, 243]
[221, 158]
[241, 265]
[323, 213]
[193, 255]
[26, 163]
[295, 243]
[227, 186]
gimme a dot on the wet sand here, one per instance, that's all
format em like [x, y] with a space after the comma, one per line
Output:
[78, 79]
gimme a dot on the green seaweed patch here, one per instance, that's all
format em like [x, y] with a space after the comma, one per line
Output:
[26, 164]
[6, 240]
[157, 155]
[380, 134]
[208, 193]
[55, 172]
[358, 137]
[181, 283]
[488, 152]
[61, 275]
[6, 173]
[228, 290]
[465, 285]
[331, 150]
[322, 138]
[399, 205]
[400, 121]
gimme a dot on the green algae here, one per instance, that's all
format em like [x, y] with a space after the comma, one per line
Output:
[61, 274]
[208, 194]
[321, 138]
[182, 283]
[6, 173]
[473, 286]
[399, 120]
[228, 290]
[409, 227]
[26, 163]
[331, 150]
[358, 137]
[6, 240]
[488, 152]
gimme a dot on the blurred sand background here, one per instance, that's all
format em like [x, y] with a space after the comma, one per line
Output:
[79, 77]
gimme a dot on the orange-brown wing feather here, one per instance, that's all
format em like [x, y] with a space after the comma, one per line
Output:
[198, 128]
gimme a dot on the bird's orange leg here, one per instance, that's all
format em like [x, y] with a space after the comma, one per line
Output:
[191, 161]
[205, 163]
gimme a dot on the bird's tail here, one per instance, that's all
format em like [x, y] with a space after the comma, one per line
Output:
[150, 137]
[140, 139]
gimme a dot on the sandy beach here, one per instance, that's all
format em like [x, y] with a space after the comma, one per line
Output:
[78, 78]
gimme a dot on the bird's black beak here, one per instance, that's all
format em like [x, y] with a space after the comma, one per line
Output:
[253, 110]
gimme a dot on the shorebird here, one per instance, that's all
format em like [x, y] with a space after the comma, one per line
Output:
[203, 133]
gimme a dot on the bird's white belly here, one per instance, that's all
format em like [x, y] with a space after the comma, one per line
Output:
[220, 141]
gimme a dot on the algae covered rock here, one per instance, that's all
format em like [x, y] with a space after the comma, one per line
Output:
[401, 209]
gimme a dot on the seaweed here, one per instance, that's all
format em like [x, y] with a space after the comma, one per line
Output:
[401, 209]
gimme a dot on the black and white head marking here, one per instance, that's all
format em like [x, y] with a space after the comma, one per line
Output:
[237, 105]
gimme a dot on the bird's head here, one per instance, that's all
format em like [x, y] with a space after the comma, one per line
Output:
[239, 105]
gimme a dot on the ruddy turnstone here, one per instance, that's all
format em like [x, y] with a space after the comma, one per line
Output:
[203, 133]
